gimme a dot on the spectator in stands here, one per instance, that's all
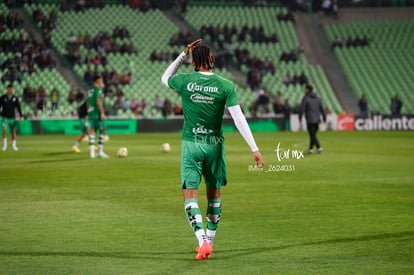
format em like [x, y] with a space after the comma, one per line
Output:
[79, 95]
[278, 105]
[126, 105]
[80, 5]
[49, 23]
[261, 104]
[133, 104]
[124, 33]
[363, 106]
[330, 7]
[158, 103]
[254, 79]
[45, 59]
[118, 104]
[47, 38]
[54, 99]
[300, 79]
[338, 42]
[143, 104]
[268, 67]
[177, 109]
[118, 91]
[38, 16]
[396, 105]
[167, 108]
[286, 17]
[135, 4]
[135, 108]
[64, 7]
[361, 41]
[71, 97]
[183, 5]
[73, 56]
[288, 79]
[350, 42]
[41, 98]
[11, 76]
[125, 77]
[289, 56]
[88, 77]
[335, 8]
[131, 49]
[28, 95]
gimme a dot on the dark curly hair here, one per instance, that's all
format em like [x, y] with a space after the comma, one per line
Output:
[201, 57]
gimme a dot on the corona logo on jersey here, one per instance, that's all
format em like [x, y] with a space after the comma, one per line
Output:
[194, 87]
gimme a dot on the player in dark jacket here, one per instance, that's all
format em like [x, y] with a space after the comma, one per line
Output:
[9, 103]
[82, 111]
[313, 109]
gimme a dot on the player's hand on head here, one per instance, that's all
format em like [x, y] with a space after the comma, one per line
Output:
[192, 45]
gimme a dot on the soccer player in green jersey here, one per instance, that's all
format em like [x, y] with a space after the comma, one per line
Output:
[82, 111]
[205, 95]
[9, 103]
[96, 117]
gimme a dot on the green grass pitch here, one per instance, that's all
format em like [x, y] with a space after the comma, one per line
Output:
[349, 210]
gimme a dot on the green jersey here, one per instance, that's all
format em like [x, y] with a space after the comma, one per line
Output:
[93, 110]
[204, 98]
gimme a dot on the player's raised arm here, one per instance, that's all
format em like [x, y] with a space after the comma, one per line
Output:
[173, 67]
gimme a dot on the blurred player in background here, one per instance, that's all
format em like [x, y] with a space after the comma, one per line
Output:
[205, 96]
[313, 109]
[9, 103]
[96, 118]
[83, 117]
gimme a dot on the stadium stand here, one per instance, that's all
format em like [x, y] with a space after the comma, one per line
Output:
[385, 57]
[288, 41]
[145, 74]
[382, 69]
[21, 54]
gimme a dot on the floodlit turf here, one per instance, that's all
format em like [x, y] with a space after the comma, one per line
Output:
[349, 210]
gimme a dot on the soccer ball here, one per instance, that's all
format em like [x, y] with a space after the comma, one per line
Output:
[165, 147]
[122, 152]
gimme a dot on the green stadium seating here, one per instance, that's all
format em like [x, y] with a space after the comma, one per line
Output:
[384, 68]
[379, 71]
[288, 40]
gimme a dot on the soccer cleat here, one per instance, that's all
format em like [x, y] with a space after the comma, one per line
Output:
[76, 149]
[103, 155]
[320, 150]
[92, 155]
[15, 148]
[310, 151]
[204, 251]
[4, 148]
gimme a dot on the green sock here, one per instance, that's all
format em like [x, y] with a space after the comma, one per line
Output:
[213, 217]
